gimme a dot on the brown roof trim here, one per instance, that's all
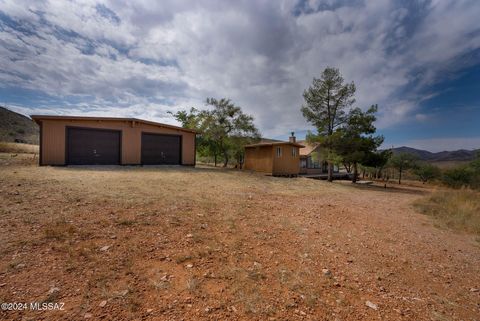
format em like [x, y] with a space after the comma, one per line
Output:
[38, 118]
[275, 143]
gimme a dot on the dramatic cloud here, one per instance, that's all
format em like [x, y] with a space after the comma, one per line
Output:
[145, 58]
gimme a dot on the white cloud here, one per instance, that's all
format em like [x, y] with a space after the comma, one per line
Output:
[421, 117]
[166, 55]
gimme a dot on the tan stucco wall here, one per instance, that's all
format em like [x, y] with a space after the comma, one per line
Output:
[286, 164]
[53, 139]
[259, 159]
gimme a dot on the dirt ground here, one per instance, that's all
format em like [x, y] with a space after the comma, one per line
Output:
[180, 243]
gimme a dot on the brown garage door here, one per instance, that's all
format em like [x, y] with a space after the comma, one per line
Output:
[87, 146]
[158, 149]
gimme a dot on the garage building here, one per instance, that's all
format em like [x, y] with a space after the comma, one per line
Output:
[76, 140]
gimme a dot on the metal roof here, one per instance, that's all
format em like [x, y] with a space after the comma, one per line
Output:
[38, 118]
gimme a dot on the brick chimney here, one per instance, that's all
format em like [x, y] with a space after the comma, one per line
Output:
[292, 138]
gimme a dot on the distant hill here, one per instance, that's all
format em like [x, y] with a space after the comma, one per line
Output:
[446, 156]
[17, 128]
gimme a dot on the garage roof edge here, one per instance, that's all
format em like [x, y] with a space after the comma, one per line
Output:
[38, 118]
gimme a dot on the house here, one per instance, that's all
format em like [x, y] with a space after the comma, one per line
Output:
[74, 140]
[274, 157]
[311, 162]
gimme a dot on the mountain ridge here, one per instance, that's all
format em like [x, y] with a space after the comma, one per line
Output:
[443, 156]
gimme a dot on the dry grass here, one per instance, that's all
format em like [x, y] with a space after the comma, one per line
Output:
[456, 209]
[59, 230]
[204, 243]
[18, 148]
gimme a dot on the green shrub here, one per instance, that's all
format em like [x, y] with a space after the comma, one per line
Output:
[426, 172]
[458, 177]
[467, 175]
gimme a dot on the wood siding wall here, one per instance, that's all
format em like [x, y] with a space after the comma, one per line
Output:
[287, 164]
[53, 139]
[259, 159]
[264, 159]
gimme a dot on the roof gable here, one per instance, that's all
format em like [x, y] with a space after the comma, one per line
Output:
[308, 148]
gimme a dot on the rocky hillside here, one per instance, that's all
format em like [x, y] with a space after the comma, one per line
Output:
[17, 128]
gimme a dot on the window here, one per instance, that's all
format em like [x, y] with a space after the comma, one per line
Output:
[303, 163]
[294, 151]
[313, 163]
[279, 152]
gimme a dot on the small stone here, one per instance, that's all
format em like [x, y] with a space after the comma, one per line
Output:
[2, 284]
[124, 292]
[21, 265]
[208, 309]
[371, 305]
[398, 311]
[103, 303]
[474, 290]
[53, 290]
[234, 309]
[87, 315]
[149, 311]
[104, 248]
[164, 278]
[326, 272]
[190, 265]
[189, 236]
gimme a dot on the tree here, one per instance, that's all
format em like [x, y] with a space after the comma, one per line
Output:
[189, 119]
[426, 172]
[228, 126]
[464, 175]
[354, 141]
[377, 161]
[200, 120]
[402, 162]
[458, 177]
[223, 130]
[326, 102]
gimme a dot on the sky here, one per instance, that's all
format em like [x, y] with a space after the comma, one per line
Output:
[418, 60]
